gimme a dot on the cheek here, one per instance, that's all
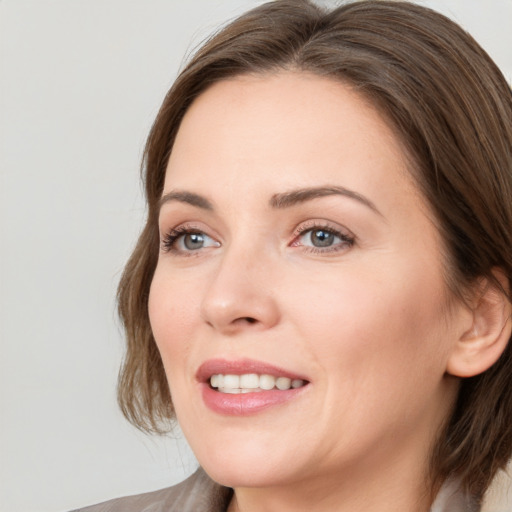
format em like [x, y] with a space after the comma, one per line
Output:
[380, 349]
[172, 315]
[381, 324]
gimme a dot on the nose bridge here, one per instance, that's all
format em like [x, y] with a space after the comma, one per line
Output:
[241, 293]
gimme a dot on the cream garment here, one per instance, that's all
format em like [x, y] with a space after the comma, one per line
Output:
[450, 499]
[199, 493]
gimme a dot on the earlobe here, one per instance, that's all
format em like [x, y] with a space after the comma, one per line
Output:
[482, 344]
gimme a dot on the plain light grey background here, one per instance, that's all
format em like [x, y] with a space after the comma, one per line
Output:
[80, 83]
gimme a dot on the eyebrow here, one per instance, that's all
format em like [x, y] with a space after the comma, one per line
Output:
[186, 197]
[294, 197]
[278, 201]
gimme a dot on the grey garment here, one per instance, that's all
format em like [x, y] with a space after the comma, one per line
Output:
[452, 499]
[198, 493]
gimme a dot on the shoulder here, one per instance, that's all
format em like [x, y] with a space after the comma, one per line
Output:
[198, 493]
[452, 498]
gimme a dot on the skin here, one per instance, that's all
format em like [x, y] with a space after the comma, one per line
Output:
[368, 323]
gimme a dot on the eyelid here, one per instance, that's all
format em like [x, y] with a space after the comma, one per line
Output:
[323, 224]
[169, 237]
[345, 235]
[188, 226]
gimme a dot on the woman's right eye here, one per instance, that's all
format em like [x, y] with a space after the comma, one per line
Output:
[182, 241]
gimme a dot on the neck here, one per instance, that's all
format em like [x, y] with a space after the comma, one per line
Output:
[282, 500]
[395, 488]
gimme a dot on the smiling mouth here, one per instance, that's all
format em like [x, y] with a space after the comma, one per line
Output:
[252, 383]
[245, 387]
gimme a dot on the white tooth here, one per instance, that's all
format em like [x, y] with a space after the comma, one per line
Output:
[283, 383]
[267, 382]
[231, 391]
[297, 383]
[252, 382]
[231, 381]
[249, 380]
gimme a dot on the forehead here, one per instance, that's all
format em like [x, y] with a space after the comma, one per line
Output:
[285, 130]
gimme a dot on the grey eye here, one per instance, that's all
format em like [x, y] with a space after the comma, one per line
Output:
[187, 241]
[193, 241]
[321, 238]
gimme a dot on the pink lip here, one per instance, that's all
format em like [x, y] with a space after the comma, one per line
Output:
[246, 403]
[241, 366]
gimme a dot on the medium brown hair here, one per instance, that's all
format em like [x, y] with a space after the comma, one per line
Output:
[451, 107]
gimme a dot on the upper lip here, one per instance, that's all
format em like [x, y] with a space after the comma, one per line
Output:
[240, 367]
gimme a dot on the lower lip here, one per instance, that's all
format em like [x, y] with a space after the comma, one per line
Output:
[244, 404]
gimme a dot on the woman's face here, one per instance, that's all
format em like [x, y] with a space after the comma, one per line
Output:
[295, 245]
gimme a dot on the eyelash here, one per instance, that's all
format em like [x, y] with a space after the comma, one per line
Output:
[168, 243]
[169, 240]
[347, 240]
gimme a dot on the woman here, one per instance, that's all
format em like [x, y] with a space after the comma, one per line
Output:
[320, 295]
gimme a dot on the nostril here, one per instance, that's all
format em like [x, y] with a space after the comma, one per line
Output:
[244, 320]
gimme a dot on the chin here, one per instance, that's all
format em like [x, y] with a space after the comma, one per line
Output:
[245, 466]
[244, 475]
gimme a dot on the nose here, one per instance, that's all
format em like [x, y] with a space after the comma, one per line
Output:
[240, 295]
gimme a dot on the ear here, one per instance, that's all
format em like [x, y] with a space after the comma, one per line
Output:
[482, 344]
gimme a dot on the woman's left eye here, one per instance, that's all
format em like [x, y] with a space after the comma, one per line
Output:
[323, 239]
